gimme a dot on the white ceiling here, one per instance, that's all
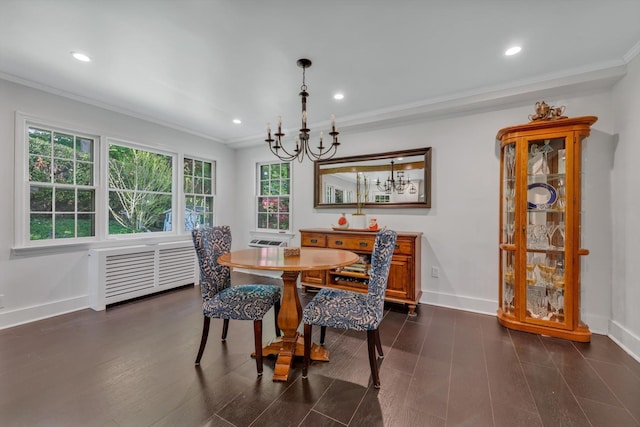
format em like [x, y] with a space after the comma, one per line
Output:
[197, 64]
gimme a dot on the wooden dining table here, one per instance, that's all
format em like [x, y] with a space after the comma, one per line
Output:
[291, 344]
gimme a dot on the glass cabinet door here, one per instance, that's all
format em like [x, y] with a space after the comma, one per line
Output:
[545, 229]
[508, 229]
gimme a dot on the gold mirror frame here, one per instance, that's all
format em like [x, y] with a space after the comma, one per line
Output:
[358, 181]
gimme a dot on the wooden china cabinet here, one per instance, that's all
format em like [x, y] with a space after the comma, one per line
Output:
[540, 217]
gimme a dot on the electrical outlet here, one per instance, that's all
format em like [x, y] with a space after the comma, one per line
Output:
[435, 272]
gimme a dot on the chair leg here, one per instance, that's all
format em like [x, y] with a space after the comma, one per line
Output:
[323, 332]
[371, 344]
[379, 343]
[276, 310]
[257, 337]
[203, 340]
[307, 349]
[225, 329]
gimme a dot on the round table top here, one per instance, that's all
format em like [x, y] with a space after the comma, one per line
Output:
[274, 259]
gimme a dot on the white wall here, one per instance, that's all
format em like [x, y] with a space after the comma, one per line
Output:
[460, 231]
[41, 285]
[625, 319]
[461, 228]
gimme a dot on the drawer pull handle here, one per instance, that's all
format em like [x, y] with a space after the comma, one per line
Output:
[364, 244]
[397, 246]
[338, 242]
[314, 240]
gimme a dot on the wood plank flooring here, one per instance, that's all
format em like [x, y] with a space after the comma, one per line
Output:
[132, 365]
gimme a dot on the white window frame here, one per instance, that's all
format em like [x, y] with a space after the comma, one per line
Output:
[257, 197]
[22, 243]
[182, 194]
[22, 185]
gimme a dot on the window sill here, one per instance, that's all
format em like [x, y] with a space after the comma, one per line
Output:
[86, 246]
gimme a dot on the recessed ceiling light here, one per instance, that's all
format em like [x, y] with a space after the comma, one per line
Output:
[81, 57]
[237, 121]
[338, 96]
[512, 50]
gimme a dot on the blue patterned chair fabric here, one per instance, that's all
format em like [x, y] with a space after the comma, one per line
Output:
[353, 310]
[223, 301]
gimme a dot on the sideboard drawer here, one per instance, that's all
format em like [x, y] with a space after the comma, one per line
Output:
[314, 239]
[352, 243]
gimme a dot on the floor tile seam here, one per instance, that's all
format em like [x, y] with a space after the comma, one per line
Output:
[610, 389]
[269, 405]
[566, 383]
[424, 340]
[486, 371]
[524, 375]
[324, 415]
[620, 407]
[364, 395]
[453, 346]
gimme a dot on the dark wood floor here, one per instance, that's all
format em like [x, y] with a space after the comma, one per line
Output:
[133, 366]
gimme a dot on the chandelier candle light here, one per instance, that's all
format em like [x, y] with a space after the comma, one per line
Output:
[302, 140]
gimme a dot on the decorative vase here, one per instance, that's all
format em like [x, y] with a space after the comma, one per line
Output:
[343, 222]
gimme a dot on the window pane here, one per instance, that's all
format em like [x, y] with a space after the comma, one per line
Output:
[274, 188]
[275, 171]
[86, 201]
[198, 185]
[40, 226]
[65, 226]
[86, 225]
[62, 146]
[283, 222]
[41, 199]
[84, 149]
[40, 142]
[207, 169]
[39, 169]
[262, 220]
[264, 188]
[272, 221]
[197, 171]
[284, 170]
[65, 201]
[84, 173]
[207, 186]
[264, 172]
[284, 204]
[63, 171]
[284, 186]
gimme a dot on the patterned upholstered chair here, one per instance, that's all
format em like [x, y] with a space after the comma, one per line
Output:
[223, 301]
[353, 310]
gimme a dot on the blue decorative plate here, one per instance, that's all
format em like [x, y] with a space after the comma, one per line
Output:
[540, 195]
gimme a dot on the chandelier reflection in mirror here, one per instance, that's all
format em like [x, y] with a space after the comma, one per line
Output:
[302, 147]
[396, 182]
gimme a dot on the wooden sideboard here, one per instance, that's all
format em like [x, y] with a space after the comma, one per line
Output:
[403, 285]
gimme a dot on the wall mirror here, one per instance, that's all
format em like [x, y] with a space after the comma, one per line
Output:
[394, 179]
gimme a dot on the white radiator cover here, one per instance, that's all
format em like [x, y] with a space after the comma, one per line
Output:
[120, 274]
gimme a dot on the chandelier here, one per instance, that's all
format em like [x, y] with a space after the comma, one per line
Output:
[396, 182]
[302, 146]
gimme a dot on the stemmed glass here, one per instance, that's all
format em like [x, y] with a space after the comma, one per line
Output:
[561, 230]
[510, 231]
[510, 157]
[551, 228]
[508, 287]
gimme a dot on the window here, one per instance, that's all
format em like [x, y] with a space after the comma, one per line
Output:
[140, 190]
[73, 187]
[274, 196]
[199, 191]
[62, 192]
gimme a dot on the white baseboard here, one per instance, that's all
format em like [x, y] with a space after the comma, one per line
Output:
[626, 339]
[475, 305]
[34, 313]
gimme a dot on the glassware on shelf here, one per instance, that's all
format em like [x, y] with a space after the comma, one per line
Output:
[537, 301]
[556, 301]
[510, 231]
[550, 229]
[531, 275]
[510, 158]
[561, 230]
[508, 288]
[560, 195]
